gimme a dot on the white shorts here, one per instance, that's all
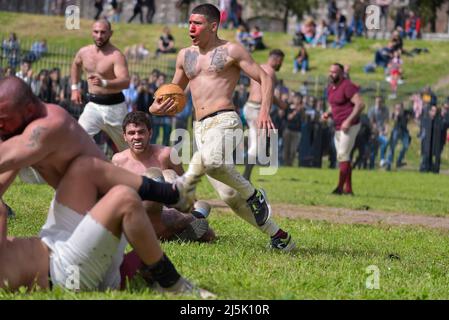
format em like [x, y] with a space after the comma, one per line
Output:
[84, 256]
[344, 142]
[108, 118]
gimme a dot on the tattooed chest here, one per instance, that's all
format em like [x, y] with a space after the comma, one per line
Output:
[214, 62]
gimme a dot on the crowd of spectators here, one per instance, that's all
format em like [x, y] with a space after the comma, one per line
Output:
[305, 137]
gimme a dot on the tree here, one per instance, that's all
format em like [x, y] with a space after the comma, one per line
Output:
[284, 8]
[427, 10]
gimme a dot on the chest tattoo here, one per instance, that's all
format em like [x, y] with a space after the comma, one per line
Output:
[218, 60]
[190, 62]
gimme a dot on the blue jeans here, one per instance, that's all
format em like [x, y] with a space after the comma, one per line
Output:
[304, 65]
[383, 144]
[404, 137]
[381, 60]
[357, 26]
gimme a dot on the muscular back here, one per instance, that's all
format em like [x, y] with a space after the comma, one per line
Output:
[255, 90]
[213, 76]
[49, 144]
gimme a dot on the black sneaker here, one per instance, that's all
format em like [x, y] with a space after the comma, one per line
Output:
[337, 192]
[10, 211]
[281, 244]
[401, 164]
[260, 207]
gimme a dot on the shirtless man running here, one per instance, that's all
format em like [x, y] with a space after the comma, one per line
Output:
[211, 67]
[107, 75]
[152, 160]
[252, 106]
[47, 138]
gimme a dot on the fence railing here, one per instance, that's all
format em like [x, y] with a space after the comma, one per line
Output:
[62, 58]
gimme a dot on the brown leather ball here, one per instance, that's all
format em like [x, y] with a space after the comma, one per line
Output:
[171, 90]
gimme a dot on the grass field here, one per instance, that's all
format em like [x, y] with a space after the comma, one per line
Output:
[332, 260]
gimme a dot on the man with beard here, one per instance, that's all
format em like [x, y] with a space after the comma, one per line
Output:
[107, 75]
[154, 161]
[252, 107]
[45, 137]
[211, 67]
[346, 106]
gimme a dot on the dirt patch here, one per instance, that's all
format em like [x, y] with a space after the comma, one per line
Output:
[350, 216]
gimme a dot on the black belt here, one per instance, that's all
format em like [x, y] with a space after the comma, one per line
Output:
[213, 114]
[50, 283]
[106, 99]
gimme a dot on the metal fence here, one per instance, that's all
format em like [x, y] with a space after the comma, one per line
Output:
[62, 58]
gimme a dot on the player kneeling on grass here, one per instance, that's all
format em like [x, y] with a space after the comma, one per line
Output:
[154, 161]
[83, 260]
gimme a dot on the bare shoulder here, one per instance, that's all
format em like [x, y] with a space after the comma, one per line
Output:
[162, 154]
[235, 49]
[117, 53]
[120, 158]
[269, 70]
[85, 50]
[50, 127]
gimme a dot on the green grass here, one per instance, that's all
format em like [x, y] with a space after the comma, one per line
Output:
[332, 260]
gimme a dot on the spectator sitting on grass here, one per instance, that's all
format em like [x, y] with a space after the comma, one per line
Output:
[301, 61]
[308, 31]
[383, 56]
[321, 34]
[166, 43]
[256, 39]
[243, 37]
[342, 36]
[398, 43]
[11, 50]
[38, 49]
[136, 51]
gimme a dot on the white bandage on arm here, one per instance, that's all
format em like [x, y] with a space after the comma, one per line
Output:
[76, 86]
[104, 83]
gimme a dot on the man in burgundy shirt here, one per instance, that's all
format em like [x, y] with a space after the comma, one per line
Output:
[346, 106]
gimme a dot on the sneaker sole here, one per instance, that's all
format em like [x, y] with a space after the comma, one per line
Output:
[194, 231]
[291, 246]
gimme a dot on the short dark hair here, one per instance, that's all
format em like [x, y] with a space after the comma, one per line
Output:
[137, 117]
[208, 10]
[342, 68]
[277, 52]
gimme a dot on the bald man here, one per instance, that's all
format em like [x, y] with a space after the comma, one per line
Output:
[107, 75]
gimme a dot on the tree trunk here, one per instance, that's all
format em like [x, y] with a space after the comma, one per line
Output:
[433, 18]
[285, 22]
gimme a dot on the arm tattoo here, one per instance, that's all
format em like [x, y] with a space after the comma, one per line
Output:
[190, 61]
[35, 135]
[218, 60]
